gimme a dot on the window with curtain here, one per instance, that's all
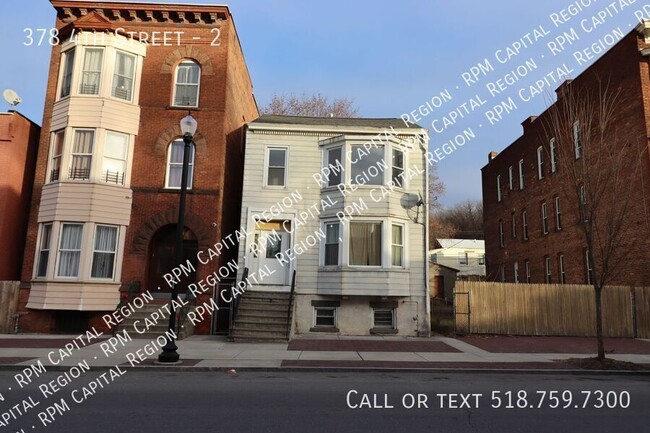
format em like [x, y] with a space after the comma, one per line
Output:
[70, 250]
[91, 72]
[114, 162]
[186, 87]
[366, 165]
[331, 244]
[398, 167]
[66, 82]
[104, 250]
[276, 168]
[175, 165]
[335, 165]
[365, 244]
[82, 154]
[44, 250]
[122, 86]
[57, 153]
[397, 245]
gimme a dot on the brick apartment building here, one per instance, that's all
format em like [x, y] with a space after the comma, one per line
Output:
[18, 145]
[532, 224]
[107, 179]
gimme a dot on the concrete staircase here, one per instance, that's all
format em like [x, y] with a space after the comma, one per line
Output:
[154, 331]
[262, 316]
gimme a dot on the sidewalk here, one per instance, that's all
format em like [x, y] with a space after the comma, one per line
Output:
[324, 352]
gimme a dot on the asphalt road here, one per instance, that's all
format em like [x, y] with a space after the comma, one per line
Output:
[325, 402]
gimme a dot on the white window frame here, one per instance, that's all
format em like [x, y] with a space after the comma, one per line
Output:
[560, 259]
[502, 271]
[548, 270]
[114, 252]
[185, 63]
[331, 167]
[402, 246]
[120, 178]
[60, 250]
[382, 241]
[190, 166]
[515, 268]
[544, 219]
[514, 226]
[267, 167]
[524, 225]
[56, 158]
[44, 246]
[588, 267]
[558, 214]
[93, 72]
[577, 140]
[67, 71]
[335, 317]
[521, 174]
[540, 162]
[401, 170]
[117, 75]
[498, 188]
[511, 180]
[368, 180]
[553, 154]
[339, 243]
[91, 154]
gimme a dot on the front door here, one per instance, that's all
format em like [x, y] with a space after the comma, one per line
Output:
[271, 245]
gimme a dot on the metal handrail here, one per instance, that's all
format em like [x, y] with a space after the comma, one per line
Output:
[293, 289]
[234, 305]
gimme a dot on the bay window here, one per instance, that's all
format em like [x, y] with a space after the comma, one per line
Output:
[57, 155]
[104, 252]
[397, 245]
[398, 167]
[335, 166]
[366, 165]
[114, 163]
[123, 73]
[91, 72]
[44, 250]
[331, 244]
[82, 154]
[68, 67]
[69, 250]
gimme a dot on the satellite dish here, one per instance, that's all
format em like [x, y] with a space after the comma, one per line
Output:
[409, 201]
[11, 97]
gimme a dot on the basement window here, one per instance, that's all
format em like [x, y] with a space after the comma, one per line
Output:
[324, 317]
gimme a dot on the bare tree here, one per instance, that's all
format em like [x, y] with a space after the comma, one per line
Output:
[316, 105]
[437, 188]
[465, 217]
[600, 171]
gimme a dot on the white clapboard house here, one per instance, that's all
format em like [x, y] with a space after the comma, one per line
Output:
[333, 208]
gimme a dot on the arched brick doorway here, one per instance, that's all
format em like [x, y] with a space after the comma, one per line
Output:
[161, 258]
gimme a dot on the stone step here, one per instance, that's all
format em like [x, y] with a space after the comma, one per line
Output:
[254, 306]
[258, 318]
[259, 326]
[258, 335]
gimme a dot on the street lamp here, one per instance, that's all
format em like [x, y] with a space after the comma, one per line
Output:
[188, 128]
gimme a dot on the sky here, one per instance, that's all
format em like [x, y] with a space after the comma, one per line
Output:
[390, 58]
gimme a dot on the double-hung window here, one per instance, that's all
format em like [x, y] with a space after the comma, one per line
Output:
[365, 244]
[325, 317]
[332, 244]
[540, 162]
[498, 187]
[398, 167]
[560, 260]
[82, 154]
[511, 179]
[544, 219]
[57, 156]
[547, 269]
[69, 250]
[276, 170]
[558, 214]
[44, 250]
[114, 163]
[68, 68]
[397, 245]
[122, 86]
[104, 252]
[553, 152]
[334, 166]
[175, 165]
[577, 140]
[91, 74]
[521, 174]
[524, 225]
[186, 87]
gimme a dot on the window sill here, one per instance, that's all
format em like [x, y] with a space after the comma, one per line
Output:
[383, 331]
[183, 108]
[324, 329]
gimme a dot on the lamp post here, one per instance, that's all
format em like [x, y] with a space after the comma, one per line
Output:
[188, 128]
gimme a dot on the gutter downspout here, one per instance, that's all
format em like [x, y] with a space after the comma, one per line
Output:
[427, 302]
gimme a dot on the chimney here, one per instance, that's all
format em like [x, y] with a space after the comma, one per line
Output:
[492, 155]
[564, 87]
[526, 123]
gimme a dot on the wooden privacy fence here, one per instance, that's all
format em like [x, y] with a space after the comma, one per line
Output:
[8, 305]
[549, 309]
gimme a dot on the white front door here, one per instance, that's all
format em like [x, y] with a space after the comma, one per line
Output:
[271, 245]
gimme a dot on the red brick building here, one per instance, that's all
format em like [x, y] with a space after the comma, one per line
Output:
[109, 160]
[532, 221]
[18, 145]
